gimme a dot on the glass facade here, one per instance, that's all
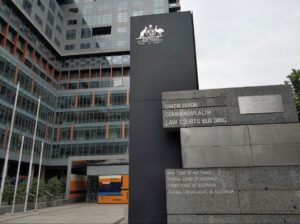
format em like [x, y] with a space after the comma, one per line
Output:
[75, 56]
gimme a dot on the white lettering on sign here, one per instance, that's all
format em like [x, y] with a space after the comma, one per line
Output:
[171, 123]
[181, 105]
[188, 113]
[203, 121]
[189, 182]
[215, 120]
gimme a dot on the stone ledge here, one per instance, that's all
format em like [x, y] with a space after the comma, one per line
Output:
[233, 219]
[234, 191]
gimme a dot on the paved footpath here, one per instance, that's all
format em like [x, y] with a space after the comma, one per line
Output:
[74, 213]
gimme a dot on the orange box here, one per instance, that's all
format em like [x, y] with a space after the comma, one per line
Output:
[115, 199]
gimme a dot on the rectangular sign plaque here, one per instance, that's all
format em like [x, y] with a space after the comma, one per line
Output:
[260, 104]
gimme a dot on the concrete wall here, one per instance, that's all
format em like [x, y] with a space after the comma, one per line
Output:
[107, 170]
[241, 146]
[231, 106]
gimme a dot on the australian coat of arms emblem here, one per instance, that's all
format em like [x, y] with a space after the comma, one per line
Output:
[151, 35]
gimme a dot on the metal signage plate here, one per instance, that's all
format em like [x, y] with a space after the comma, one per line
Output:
[260, 104]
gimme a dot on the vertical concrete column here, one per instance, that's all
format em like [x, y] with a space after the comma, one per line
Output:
[79, 76]
[40, 61]
[69, 73]
[32, 85]
[32, 56]
[52, 72]
[122, 72]
[76, 101]
[58, 134]
[93, 99]
[100, 71]
[111, 71]
[5, 29]
[123, 130]
[47, 68]
[107, 131]
[5, 138]
[79, 72]
[47, 131]
[69, 170]
[127, 97]
[108, 99]
[16, 74]
[72, 133]
[90, 69]
[15, 41]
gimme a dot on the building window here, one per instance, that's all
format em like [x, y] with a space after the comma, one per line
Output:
[27, 6]
[72, 22]
[40, 4]
[50, 18]
[71, 34]
[66, 2]
[84, 22]
[118, 98]
[73, 10]
[95, 20]
[105, 30]
[85, 46]
[38, 20]
[86, 33]
[58, 28]
[52, 5]
[69, 47]
[57, 42]
[48, 32]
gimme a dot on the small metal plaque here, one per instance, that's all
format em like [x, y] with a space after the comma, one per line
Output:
[260, 104]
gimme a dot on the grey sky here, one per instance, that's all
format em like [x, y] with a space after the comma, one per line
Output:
[245, 42]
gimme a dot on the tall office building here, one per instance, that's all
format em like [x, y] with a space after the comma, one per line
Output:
[75, 55]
